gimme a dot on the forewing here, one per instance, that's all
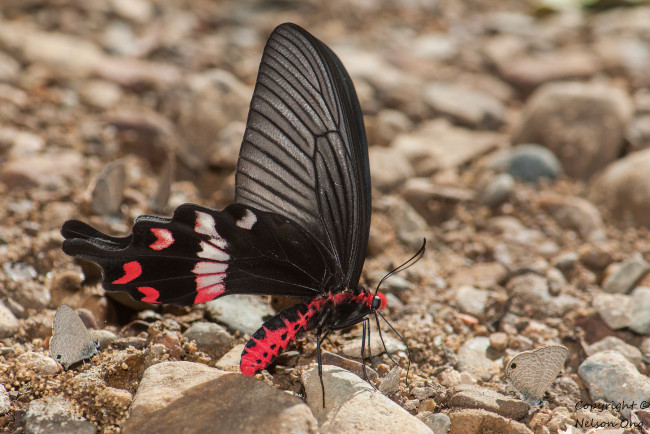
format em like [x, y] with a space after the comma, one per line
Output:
[201, 254]
[304, 153]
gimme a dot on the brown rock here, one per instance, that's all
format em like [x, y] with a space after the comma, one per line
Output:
[474, 420]
[470, 396]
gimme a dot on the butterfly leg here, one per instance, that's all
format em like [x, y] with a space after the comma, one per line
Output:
[319, 339]
[366, 332]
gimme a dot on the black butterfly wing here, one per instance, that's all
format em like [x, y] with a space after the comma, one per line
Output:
[304, 153]
[201, 254]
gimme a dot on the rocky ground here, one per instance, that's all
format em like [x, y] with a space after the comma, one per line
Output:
[515, 138]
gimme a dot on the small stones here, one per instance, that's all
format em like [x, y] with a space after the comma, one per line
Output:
[622, 277]
[39, 363]
[438, 422]
[210, 338]
[497, 190]
[390, 383]
[614, 309]
[613, 378]
[632, 353]
[472, 358]
[352, 405]
[230, 361]
[465, 106]
[353, 366]
[5, 401]
[471, 396]
[55, 414]
[640, 312]
[239, 312]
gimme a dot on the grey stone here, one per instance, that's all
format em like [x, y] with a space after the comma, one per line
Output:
[614, 309]
[438, 145]
[438, 422]
[210, 338]
[531, 297]
[623, 188]
[352, 405]
[531, 163]
[575, 213]
[583, 124]
[497, 190]
[353, 366]
[625, 275]
[632, 353]
[471, 396]
[390, 345]
[104, 338]
[640, 313]
[613, 378]
[389, 168]
[476, 420]
[390, 383]
[472, 300]
[472, 358]
[5, 401]
[239, 312]
[8, 322]
[638, 133]
[275, 410]
[231, 360]
[54, 414]
[33, 295]
[465, 106]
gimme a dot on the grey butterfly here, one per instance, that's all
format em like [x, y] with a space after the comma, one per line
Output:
[533, 372]
[71, 342]
[107, 189]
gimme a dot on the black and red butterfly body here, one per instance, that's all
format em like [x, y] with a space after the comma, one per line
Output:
[300, 222]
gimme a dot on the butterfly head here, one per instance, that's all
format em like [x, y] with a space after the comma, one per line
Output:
[378, 301]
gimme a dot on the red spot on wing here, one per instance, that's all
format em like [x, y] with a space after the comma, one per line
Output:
[150, 294]
[132, 270]
[164, 239]
[209, 293]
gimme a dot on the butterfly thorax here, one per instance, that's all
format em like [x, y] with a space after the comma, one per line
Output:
[338, 310]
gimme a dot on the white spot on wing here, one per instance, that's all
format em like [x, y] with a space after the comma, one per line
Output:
[247, 221]
[206, 225]
[208, 280]
[209, 251]
[209, 268]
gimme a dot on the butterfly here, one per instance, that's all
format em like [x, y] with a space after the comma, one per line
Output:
[300, 221]
[532, 372]
[70, 343]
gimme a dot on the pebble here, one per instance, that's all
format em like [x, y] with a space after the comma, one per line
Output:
[614, 309]
[104, 338]
[54, 414]
[613, 378]
[390, 345]
[116, 400]
[353, 366]
[409, 225]
[531, 297]
[477, 420]
[621, 277]
[167, 382]
[39, 363]
[640, 312]
[389, 168]
[216, 399]
[386, 126]
[472, 358]
[8, 322]
[497, 190]
[472, 300]
[5, 401]
[438, 422]
[390, 383]
[632, 353]
[638, 133]
[210, 338]
[41, 171]
[624, 189]
[239, 312]
[451, 148]
[231, 360]
[465, 106]
[472, 396]
[352, 405]
[575, 213]
[499, 341]
[100, 93]
[583, 124]
[33, 295]
[9, 68]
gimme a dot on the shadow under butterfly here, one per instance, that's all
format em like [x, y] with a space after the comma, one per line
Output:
[300, 222]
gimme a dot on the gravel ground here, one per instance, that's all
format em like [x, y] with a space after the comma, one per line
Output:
[515, 138]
